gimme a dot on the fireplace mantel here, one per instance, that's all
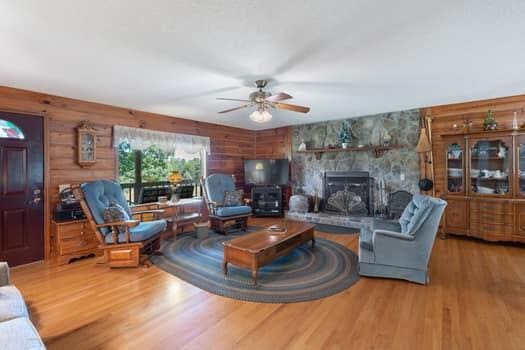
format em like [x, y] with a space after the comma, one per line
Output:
[377, 150]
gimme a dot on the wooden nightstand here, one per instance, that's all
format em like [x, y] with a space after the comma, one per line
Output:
[73, 239]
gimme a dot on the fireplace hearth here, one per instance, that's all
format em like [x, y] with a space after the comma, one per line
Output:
[348, 193]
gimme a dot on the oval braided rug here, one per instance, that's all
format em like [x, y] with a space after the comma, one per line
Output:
[302, 275]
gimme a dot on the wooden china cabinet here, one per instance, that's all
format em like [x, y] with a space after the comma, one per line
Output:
[485, 184]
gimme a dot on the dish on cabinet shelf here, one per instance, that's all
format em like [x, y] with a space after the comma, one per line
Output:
[455, 172]
[484, 190]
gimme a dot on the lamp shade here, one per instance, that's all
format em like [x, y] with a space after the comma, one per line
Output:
[423, 144]
[175, 177]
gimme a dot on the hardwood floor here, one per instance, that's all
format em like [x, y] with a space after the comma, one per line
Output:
[476, 300]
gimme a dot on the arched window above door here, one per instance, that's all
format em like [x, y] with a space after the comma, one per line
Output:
[9, 130]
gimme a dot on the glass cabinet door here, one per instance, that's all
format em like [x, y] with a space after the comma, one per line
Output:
[521, 166]
[455, 167]
[490, 164]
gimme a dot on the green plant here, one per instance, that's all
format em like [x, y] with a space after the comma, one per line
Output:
[344, 134]
[156, 165]
[489, 123]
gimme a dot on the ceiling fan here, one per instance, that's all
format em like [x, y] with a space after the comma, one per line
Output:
[263, 100]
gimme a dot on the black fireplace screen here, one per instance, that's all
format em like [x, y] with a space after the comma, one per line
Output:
[348, 193]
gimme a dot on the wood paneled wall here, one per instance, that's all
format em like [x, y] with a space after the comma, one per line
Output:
[445, 116]
[273, 143]
[229, 145]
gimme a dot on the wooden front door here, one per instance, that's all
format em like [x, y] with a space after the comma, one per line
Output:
[21, 189]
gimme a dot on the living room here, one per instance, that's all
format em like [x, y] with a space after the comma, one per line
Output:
[262, 175]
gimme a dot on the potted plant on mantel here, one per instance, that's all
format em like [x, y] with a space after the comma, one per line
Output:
[489, 123]
[344, 135]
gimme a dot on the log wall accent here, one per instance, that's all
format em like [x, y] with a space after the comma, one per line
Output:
[445, 116]
[273, 143]
[229, 146]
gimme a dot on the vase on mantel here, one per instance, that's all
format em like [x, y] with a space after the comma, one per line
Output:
[316, 202]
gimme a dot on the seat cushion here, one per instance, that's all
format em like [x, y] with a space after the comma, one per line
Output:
[19, 334]
[415, 214]
[233, 211]
[141, 232]
[12, 303]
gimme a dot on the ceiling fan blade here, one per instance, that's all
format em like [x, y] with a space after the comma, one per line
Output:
[289, 107]
[281, 96]
[232, 99]
[236, 108]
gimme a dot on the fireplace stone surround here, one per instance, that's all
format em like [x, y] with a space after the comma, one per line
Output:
[394, 170]
[398, 169]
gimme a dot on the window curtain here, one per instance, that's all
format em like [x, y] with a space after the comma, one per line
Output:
[181, 145]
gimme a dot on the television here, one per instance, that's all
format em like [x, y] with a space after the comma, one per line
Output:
[266, 172]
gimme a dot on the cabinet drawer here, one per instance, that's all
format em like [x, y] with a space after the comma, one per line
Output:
[73, 225]
[73, 245]
[497, 229]
[80, 232]
[496, 218]
[72, 229]
[498, 207]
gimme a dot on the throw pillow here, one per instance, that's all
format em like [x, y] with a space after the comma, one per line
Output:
[233, 198]
[114, 213]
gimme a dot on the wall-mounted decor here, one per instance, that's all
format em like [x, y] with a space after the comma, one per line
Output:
[86, 144]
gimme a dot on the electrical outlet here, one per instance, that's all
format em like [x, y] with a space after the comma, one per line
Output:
[402, 177]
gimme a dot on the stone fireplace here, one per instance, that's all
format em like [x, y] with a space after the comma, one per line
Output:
[354, 185]
[394, 170]
[348, 193]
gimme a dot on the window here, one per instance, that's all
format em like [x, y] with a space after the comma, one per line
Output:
[8, 130]
[155, 165]
[147, 158]
[151, 167]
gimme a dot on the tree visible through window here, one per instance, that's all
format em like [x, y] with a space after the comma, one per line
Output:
[155, 165]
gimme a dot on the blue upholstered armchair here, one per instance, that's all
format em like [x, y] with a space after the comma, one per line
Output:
[122, 241]
[402, 249]
[222, 215]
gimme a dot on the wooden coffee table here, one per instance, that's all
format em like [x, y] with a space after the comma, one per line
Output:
[260, 248]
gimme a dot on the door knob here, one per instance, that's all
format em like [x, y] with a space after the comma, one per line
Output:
[34, 201]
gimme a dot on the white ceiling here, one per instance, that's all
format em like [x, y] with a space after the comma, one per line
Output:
[341, 58]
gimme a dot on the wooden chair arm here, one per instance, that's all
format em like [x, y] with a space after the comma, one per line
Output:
[149, 211]
[156, 213]
[127, 223]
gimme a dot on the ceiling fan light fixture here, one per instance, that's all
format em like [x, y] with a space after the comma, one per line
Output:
[261, 116]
